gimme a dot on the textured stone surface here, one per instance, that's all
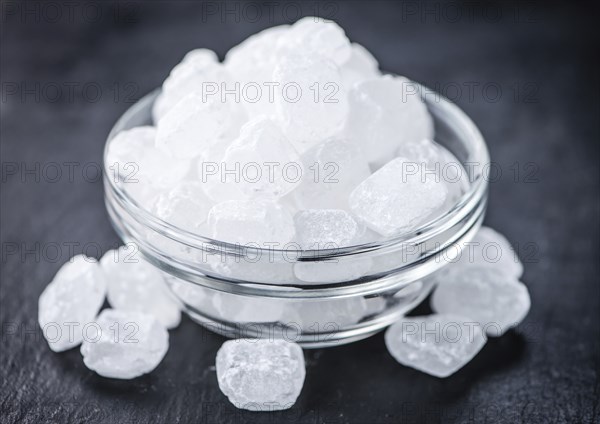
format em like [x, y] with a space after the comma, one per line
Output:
[486, 295]
[260, 375]
[125, 345]
[136, 285]
[70, 302]
[438, 345]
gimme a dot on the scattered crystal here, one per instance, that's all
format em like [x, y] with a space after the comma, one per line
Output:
[260, 375]
[438, 345]
[489, 249]
[386, 113]
[319, 229]
[488, 296]
[186, 206]
[397, 197]
[267, 163]
[70, 302]
[333, 169]
[136, 285]
[251, 222]
[312, 102]
[125, 344]
[196, 123]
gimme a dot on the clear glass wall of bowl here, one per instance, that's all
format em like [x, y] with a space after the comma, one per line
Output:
[252, 292]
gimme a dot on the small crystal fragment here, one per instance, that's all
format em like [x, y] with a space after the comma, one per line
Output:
[136, 285]
[386, 113]
[319, 229]
[488, 296]
[251, 222]
[397, 197]
[260, 375]
[489, 249]
[70, 301]
[438, 344]
[312, 103]
[126, 344]
[186, 206]
[267, 164]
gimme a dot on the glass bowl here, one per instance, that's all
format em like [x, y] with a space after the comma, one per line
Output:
[315, 298]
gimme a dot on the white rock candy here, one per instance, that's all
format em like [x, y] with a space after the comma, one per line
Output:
[312, 102]
[260, 268]
[360, 66]
[186, 206]
[489, 249]
[438, 345]
[141, 168]
[251, 222]
[268, 164]
[333, 169]
[70, 301]
[136, 285]
[260, 375]
[314, 36]
[386, 113]
[397, 197]
[126, 344]
[197, 123]
[488, 296]
[334, 271]
[199, 71]
[327, 229]
[251, 63]
[317, 316]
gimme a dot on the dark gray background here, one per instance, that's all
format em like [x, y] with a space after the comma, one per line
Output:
[534, 72]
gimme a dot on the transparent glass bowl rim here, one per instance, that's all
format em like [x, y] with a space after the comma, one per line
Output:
[470, 199]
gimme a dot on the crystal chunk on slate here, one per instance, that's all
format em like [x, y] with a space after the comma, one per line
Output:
[136, 285]
[124, 344]
[488, 296]
[438, 344]
[260, 375]
[70, 302]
